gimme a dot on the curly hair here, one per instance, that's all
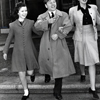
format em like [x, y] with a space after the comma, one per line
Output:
[18, 5]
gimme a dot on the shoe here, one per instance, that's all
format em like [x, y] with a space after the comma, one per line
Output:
[94, 93]
[25, 97]
[32, 77]
[47, 78]
[83, 79]
[58, 97]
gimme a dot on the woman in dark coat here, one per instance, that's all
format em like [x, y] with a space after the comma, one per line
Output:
[24, 56]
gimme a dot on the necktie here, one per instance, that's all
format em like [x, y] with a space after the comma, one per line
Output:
[49, 25]
[52, 14]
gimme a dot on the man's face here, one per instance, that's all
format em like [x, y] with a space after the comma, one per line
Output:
[51, 5]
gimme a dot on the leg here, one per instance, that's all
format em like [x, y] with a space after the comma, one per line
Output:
[32, 75]
[30, 72]
[58, 88]
[92, 74]
[47, 78]
[22, 76]
[82, 68]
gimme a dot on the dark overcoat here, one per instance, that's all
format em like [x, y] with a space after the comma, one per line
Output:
[24, 54]
[54, 55]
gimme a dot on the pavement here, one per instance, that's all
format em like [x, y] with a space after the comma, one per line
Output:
[10, 82]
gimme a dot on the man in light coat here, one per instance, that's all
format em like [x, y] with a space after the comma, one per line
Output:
[54, 55]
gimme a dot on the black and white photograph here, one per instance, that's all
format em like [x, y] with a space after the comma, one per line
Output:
[49, 49]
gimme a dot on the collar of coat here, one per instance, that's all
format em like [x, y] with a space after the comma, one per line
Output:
[57, 13]
[25, 21]
[79, 7]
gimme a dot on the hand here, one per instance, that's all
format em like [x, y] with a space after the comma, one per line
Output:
[61, 29]
[5, 56]
[54, 36]
[51, 20]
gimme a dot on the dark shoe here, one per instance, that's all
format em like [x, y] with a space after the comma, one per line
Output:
[47, 78]
[94, 93]
[25, 97]
[83, 78]
[58, 97]
[32, 77]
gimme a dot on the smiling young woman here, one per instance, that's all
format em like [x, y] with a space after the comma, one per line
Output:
[24, 56]
[85, 16]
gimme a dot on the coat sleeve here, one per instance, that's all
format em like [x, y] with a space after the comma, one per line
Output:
[98, 17]
[9, 39]
[67, 26]
[41, 24]
[35, 30]
[71, 16]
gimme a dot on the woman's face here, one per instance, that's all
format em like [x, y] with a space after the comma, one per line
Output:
[22, 13]
[51, 5]
[83, 1]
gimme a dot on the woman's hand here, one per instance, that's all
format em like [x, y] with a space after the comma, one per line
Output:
[5, 56]
[61, 29]
[54, 36]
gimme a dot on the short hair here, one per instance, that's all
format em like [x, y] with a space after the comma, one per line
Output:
[45, 1]
[18, 5]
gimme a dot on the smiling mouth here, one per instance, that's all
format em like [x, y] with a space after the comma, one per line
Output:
[53, 7]
[84, 0]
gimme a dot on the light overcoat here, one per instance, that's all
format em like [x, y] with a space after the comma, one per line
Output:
[54, 56]
[24, 54]
[76, 16]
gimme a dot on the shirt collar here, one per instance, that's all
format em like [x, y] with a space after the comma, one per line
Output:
[79, 7]
[52, 11]
[57, 13]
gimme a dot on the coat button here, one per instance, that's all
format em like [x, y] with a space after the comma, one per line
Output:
[48, 48]
[48, 58]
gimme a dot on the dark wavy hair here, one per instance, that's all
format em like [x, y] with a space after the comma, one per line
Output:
[45, 1]
[18, 5]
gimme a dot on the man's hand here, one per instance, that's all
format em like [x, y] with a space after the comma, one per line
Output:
[54, 36]
[51, 20]
[61, 29]
[5, 56]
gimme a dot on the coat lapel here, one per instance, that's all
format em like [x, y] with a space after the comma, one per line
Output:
[25, 21]
[18, 23]
[57, 15]
[92, 14]
[80, 16]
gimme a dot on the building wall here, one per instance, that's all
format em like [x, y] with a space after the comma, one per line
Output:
[98, 4]
[4, 13]
[36, 7]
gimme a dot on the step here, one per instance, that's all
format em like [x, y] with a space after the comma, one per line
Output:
[71, 84]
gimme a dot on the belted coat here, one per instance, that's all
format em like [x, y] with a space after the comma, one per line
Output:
[24, 54]
[54, 55]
